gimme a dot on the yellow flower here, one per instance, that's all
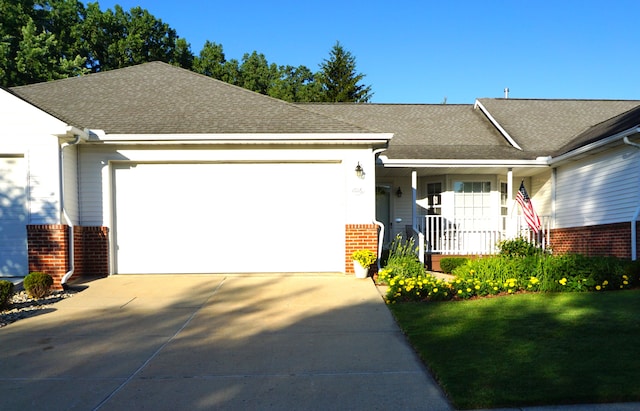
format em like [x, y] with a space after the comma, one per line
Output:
[605, 282]
[625, 277]
[435, 290]
[563, 281]
[625, 282]
[459, 291]
[477, 287]
[468, 289]
[598, 287]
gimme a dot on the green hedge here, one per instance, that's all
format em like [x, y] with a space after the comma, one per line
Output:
[448, 264]
[6, 291]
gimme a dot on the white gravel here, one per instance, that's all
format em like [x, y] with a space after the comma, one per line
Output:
[22, 306]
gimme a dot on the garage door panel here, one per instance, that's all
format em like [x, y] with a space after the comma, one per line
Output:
[193, 218]
[13, 218]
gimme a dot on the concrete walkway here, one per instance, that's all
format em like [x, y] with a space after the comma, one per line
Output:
[203, 342]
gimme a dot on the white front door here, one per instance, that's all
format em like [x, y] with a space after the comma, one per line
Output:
[228, 217]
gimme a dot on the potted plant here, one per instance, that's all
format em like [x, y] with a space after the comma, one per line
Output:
[362, 260]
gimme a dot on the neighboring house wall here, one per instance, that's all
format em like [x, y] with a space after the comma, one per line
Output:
[28, 138]
[596, 199]
[599, 189]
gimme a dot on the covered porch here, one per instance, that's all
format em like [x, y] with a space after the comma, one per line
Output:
[461, 209]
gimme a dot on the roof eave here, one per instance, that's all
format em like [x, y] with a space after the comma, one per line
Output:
[426, 163]
[591, 147]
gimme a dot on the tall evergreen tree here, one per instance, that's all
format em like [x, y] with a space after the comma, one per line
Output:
[340, 80]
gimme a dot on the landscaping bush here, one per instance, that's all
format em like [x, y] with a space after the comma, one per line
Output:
[519, 247]
[448, 264]
[403, 260]
[420, 288]
[6, 290]
[37, 284]
[552, 273]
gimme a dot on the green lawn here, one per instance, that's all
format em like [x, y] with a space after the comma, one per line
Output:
[530, 349]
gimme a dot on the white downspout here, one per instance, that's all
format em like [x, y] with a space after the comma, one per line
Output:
[380, 241]
[79, 135]
[378, 223]
[636, 215]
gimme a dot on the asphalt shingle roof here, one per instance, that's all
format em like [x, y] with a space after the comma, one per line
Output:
[157, 98]
[427, 131]
[547, 127]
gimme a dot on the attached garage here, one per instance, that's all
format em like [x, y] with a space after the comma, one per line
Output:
[13, 235]
[195, 176]
[228, 217]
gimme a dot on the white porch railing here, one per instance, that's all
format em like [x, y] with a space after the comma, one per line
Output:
[474, 236]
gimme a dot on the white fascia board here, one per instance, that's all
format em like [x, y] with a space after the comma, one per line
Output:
[580, 151]
[376, 139]
[497, 125]
[426, 163]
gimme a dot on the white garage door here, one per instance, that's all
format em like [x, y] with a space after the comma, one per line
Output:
[13, 218]
[239, 217]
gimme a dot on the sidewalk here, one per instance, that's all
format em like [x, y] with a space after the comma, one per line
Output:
[201, 342]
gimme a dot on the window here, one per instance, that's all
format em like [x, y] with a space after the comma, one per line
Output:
[504, 207]
[472, 199]
[434, 196]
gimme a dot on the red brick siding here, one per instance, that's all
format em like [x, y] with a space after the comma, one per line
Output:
[48, 251]
[603, 240]
[357, 237]
[91, 251]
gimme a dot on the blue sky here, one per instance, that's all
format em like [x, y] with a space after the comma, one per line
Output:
[424, 51]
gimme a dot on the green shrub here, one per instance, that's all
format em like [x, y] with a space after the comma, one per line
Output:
[518, 247]
[403, 259]
[37, 284]
[6, 290]
[448, 264]
[420, 288]
[550, 273]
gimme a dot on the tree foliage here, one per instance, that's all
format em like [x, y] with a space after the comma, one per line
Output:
[42, 40]
[340, 80]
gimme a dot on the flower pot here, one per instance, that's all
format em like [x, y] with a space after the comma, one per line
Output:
[361, 272]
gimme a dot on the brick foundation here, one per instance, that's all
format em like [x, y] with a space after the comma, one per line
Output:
[48, 251]
[598, 240]
[91, 252]
[357, 237]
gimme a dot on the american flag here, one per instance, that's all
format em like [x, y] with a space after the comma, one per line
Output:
[529, 213]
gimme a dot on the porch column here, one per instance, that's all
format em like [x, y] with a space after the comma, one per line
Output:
[414, 214]
[511, 221]
[414, 198]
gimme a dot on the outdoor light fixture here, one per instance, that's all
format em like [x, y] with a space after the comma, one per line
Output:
[359, 171]
[399, 192]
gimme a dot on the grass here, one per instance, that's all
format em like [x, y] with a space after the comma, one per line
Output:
[530, 349]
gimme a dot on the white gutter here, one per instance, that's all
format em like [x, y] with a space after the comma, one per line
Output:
[79, 135]
[497, 125]
[636, 215]
[538, 162]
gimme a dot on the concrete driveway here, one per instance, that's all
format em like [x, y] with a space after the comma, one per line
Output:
[203, 342]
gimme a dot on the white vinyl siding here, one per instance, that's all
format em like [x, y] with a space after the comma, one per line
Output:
[599, 189]
[71, 184]
[541, 193]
